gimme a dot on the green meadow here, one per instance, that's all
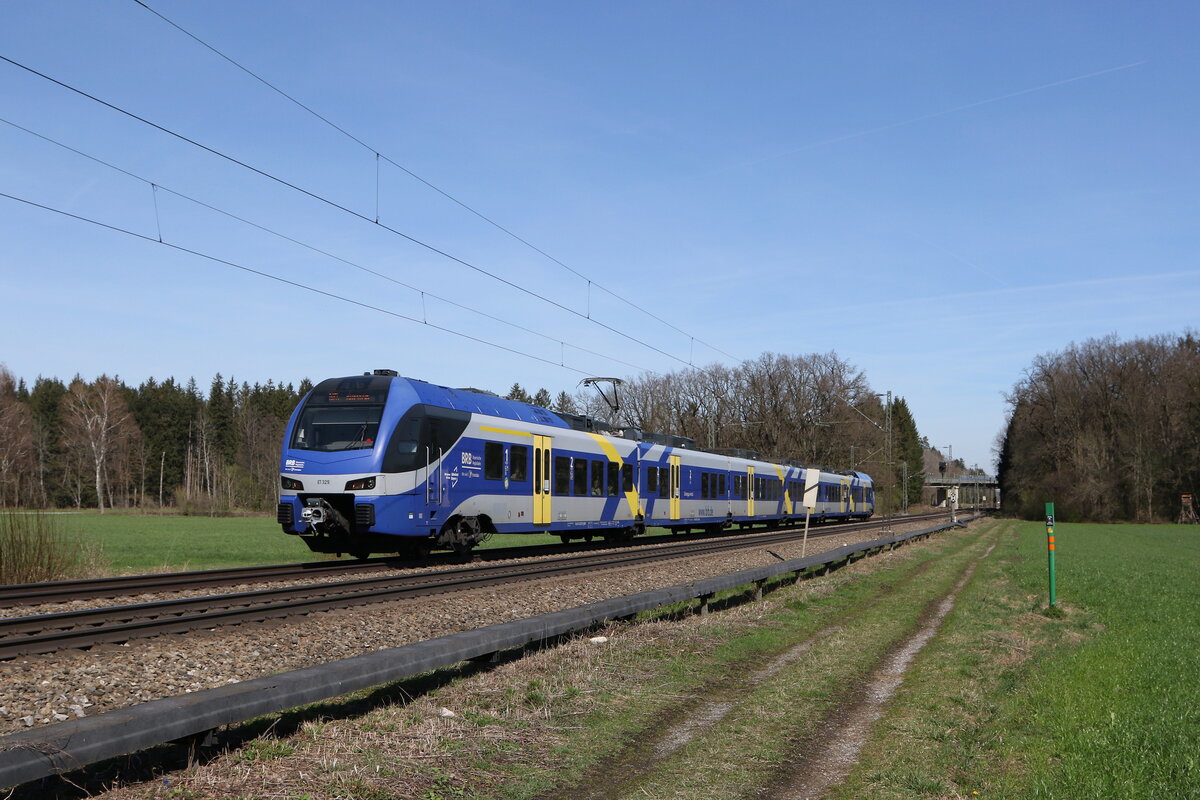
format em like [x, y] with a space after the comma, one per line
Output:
[131, 543]
[1098, 698]
[1118, 715]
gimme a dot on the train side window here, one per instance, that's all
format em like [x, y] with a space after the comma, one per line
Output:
[627, 478]
[597, 478]
[652, 480]
[614, 477]
[518, 468]
[562, 475]
[721, 485]
[704, 485]
[493, 461]
[664, 482]
[579, 467]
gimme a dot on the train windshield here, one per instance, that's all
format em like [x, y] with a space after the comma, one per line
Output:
[342, 414]
[330, 428]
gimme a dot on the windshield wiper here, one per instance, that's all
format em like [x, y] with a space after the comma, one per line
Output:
[362, 438]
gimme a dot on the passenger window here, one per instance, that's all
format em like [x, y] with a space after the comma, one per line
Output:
[597, 478]
[518, 468]
[704, 485]
[562, 475]
[614, 477]
[652, 480]
[579, 466]
[627, 478]
[664, 482]
[721, 485]
[493, 461]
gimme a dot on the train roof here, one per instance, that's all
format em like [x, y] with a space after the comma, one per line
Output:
[478, 403]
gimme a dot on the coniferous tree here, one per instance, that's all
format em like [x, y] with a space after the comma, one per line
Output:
[564, 404]
[907, 450]
[519, 394]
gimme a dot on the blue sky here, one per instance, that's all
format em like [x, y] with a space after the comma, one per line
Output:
[937, 191]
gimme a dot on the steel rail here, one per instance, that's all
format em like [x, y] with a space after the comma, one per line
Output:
[14, 595]
[46, 633]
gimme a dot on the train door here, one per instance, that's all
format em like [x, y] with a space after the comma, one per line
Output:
[435, 478]
[674, 488]
[541, 480]
[749, 491]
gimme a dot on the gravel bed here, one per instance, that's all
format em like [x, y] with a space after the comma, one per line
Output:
[40, 690]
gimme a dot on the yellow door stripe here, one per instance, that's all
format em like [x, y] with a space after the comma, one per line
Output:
[631, 497]
[787, 498]
[505, 431]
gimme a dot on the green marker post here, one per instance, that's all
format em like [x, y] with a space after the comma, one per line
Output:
[1050, 547]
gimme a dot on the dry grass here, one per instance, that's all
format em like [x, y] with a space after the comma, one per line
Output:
[521, 727]
[938, 739]
[34, 547]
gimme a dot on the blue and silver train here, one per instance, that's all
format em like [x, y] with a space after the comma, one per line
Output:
[378, 463]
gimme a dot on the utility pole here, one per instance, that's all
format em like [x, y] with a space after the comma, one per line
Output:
[888, 424]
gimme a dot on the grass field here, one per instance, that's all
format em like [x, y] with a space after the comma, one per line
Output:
[1100, 702]
[131, 543]
[1119, 715]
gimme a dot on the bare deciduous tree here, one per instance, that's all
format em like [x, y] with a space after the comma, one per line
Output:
[98, 423]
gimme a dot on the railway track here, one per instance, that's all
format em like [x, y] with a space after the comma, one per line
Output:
[65, 591]
[45, 633]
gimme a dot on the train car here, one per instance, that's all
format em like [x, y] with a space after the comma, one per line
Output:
[379, 463]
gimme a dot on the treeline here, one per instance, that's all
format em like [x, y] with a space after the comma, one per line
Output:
[1106, 430]
[103, 444]
[815, 408]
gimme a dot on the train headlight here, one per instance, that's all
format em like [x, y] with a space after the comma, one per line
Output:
[360, 484]
[292, 483]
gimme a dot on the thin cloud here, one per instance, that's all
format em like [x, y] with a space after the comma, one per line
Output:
[933, 115]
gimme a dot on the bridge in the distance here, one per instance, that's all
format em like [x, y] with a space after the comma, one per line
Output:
[973, 490]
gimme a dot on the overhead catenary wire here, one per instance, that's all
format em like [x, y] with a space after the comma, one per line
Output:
[333, 204]
[378, 155]
[288, 281]
[423, 293]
